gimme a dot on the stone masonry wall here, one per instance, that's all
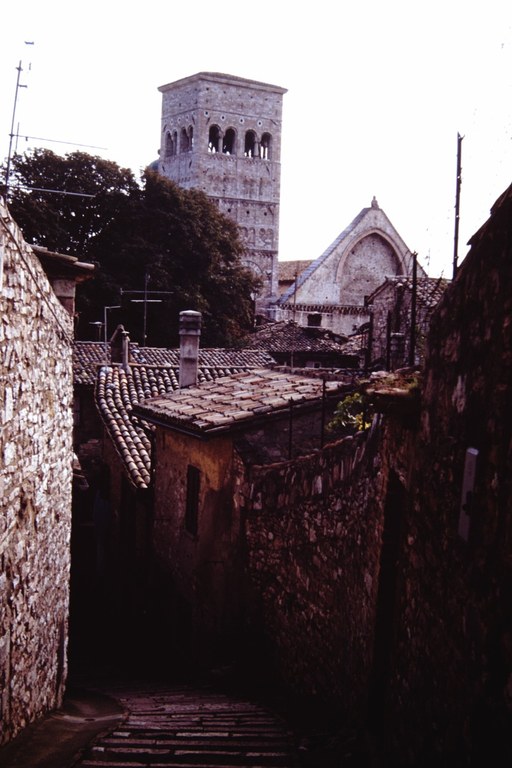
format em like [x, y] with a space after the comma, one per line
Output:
[313, 528]
[450, 699]
[35, 485]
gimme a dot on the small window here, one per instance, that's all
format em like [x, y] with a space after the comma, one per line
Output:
[192, 503]
[315, 320]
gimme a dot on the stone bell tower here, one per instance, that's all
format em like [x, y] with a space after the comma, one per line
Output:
[222, 134]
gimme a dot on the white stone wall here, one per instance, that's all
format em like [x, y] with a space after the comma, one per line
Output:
[35, 485]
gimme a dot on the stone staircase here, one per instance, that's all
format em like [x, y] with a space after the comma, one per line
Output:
[188, 728]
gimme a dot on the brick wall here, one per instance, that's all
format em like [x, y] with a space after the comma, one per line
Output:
[35, 485]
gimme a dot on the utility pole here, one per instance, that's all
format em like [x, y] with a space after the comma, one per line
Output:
[457, 205]
[145, 300]
[412, 340]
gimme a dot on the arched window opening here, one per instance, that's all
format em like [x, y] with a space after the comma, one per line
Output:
[266, 142]
[170, 147]
[184, 141]
[228, 145]
[214, 139]
[250, 144]
[191, 137]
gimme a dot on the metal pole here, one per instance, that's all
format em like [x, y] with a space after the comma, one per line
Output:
[457, 205]
[146, 280]
[11, 135]
[290, 430]
[322, 428]
[412, 342]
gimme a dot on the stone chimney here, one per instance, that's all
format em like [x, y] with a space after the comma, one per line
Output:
[190, 332]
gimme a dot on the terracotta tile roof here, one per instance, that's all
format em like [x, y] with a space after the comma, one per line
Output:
[89, 355]
[286, 335]
[428, 289]
[289, 270]
[119, 389]
[234, 400]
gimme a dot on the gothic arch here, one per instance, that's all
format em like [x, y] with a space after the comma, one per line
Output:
[364, 264]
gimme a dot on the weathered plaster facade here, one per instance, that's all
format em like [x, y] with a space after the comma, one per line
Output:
[222, 134]
[35, 485]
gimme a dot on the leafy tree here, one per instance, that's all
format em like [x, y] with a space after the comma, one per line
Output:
[155, 233]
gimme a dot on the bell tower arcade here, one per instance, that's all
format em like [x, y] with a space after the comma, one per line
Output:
[222, 134]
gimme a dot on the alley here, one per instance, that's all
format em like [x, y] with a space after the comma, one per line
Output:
[181, 726]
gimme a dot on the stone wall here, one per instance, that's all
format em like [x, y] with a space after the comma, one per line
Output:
[35, 485]
[450, 695]
[313, 529]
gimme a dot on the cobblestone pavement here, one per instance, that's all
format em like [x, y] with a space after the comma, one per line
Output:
[190, 728]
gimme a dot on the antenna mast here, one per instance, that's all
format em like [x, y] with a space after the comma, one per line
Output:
[457, 205]
[12, 134]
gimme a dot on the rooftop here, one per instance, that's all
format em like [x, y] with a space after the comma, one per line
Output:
[234, 401]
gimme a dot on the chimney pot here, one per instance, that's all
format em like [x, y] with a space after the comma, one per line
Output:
[190, 332]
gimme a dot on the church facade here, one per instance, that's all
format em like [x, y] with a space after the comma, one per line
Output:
[331, 292]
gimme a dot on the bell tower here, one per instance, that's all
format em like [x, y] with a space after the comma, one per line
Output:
[222, 134]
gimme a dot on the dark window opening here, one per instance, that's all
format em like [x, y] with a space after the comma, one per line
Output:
[315, 320]
[214, 139]
[192, 502]
[250, 144]
[184, 141]
[228, 145]
[266, 141]
[170, 145]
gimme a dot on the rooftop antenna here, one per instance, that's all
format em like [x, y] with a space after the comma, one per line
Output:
[19, 85]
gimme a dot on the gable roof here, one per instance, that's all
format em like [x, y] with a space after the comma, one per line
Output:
[233, 401]
[346, 235]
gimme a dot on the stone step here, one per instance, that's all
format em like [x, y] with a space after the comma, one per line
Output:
[190, 729]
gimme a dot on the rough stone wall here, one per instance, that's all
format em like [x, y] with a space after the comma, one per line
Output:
[450, 699]
[313, 528]
[35, 485]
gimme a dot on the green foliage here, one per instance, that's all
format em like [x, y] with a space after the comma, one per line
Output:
[352, 413]
[177, 237]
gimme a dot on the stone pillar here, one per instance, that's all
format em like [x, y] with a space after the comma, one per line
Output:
[190, 332]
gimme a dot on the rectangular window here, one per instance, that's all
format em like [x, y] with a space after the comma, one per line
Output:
[192, 503]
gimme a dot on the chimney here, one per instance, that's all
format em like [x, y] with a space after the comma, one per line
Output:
[190, 331]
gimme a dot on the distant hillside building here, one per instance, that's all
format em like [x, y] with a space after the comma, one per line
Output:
[222, 134]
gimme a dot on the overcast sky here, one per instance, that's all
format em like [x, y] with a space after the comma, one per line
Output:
[377, 92]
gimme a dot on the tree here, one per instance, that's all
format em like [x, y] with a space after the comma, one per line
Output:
[153, 233]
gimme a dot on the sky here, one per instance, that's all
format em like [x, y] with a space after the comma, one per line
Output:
[377, 94]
